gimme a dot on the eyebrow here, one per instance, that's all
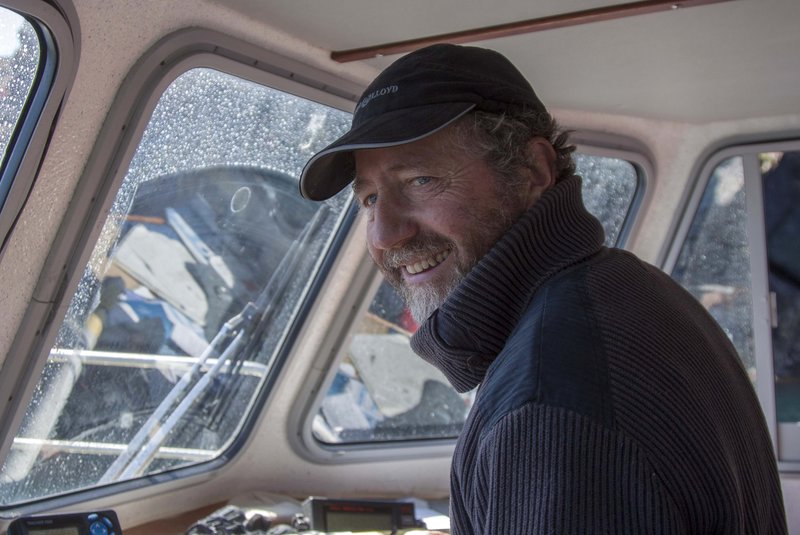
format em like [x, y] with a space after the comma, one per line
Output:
[356, 185]
[415, 162]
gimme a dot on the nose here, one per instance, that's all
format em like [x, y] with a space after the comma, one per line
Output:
[391, 224]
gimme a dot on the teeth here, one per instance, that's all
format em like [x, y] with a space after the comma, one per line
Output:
[427, 263]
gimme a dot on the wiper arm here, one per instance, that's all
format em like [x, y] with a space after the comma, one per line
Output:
[153, 433]
[265, 308]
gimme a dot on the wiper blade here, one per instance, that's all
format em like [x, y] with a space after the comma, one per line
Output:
[237, 330]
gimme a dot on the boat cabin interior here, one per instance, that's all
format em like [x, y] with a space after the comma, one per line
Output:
[186, 342]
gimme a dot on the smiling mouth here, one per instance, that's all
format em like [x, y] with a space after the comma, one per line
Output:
[428, 263]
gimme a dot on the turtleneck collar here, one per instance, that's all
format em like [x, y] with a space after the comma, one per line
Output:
[465, 334]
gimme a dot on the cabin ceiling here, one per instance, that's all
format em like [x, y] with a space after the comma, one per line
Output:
[731, 60]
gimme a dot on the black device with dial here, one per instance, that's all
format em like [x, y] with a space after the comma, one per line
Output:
[93, 523]
[359, 515]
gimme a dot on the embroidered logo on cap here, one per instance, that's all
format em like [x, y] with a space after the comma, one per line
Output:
[388, 90]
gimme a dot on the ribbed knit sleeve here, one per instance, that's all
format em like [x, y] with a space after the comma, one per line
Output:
[547, 470]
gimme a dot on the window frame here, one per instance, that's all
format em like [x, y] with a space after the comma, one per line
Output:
[362, 290]
[785, 437]
[57, 26]
[105, 170]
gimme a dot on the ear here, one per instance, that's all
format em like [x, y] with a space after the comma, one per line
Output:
[543, 173]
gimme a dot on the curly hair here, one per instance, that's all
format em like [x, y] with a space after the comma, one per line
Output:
[503, 138]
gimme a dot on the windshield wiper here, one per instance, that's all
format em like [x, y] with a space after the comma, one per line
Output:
[151, 436]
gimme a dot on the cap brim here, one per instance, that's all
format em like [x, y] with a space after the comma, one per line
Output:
[332, 168]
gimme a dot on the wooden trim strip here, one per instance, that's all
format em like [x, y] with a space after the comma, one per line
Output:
[563, 20]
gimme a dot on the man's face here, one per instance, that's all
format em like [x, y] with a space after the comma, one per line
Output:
[433, 211]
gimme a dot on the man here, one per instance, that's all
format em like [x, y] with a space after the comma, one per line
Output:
[609, 400]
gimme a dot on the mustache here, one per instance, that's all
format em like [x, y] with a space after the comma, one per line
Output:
[422, 246]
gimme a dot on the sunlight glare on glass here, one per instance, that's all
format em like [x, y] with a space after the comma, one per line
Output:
[10, 23]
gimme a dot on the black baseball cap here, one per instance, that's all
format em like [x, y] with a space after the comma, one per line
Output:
[415, 96]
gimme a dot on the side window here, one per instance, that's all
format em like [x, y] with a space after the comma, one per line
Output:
[714, 263]
[20, 55]
[197, 277]
[741, 252]
[38, 61]
[609, 188]
[383, 392]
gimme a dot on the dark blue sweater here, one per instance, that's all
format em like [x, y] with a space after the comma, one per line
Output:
[609, 400]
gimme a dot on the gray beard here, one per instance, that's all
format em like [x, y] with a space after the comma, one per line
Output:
[423, 301]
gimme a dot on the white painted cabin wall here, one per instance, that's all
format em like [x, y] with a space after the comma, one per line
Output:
[114, 35]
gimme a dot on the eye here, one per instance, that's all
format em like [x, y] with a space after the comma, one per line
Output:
[422, 180]
[369, 200]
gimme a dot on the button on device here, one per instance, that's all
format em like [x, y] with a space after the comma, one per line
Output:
[99, 528]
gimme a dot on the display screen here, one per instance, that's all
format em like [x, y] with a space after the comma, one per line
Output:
[69, 530]
[360, 521]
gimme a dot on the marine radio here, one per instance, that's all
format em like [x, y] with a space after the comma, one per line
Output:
[95, 523]
[359, 515]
